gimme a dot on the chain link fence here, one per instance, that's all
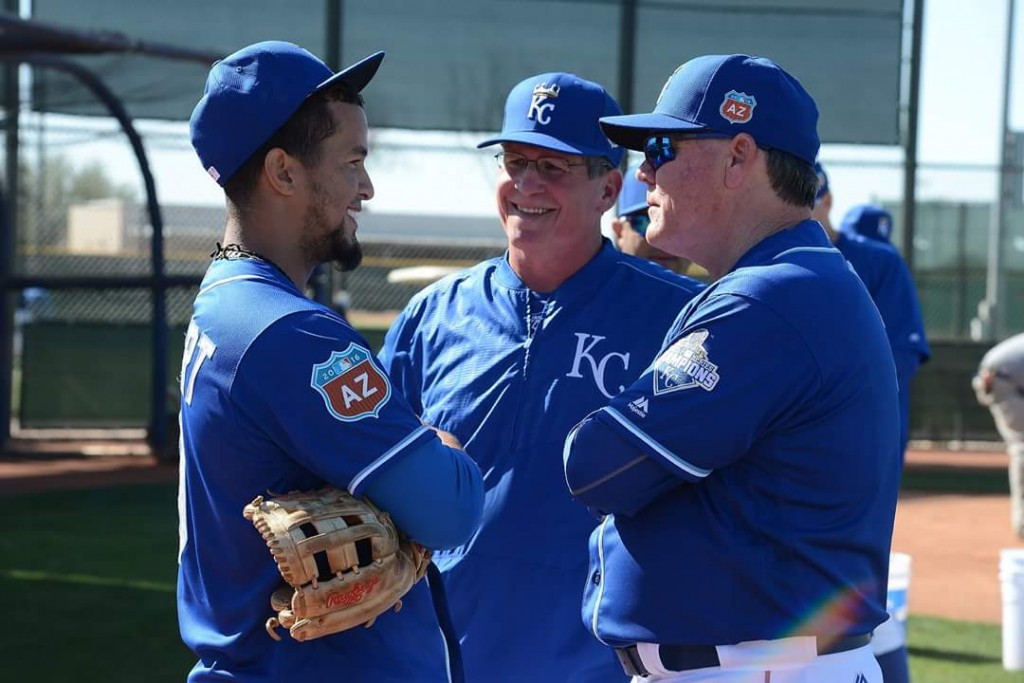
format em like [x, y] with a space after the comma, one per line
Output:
[76, 217]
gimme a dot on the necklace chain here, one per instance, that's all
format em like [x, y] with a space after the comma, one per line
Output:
[235, 251]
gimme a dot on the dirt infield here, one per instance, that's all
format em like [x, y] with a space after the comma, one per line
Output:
[954, 539]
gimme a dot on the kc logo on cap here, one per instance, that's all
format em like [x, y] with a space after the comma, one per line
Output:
[737, 107]
[540, 109]
[561, 112]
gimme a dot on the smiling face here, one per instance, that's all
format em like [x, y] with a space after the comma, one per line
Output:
[556, 215]
[335, 190]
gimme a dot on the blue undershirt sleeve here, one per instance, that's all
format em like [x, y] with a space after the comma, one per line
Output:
[434, 494]
[608, 472]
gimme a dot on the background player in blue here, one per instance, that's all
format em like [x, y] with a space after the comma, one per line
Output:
[630, 225]
[749, 476]
[510, 354]
[280, 394]
[889, 282]
[891, 287]
[864, 220]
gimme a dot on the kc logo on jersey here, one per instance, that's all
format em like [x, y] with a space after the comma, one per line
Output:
[737, 107]
[351, 384]
[540, 108]
[585, 344]
[685, 365]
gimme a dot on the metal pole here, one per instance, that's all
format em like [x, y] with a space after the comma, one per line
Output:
[995, 284]
[8, 239]
[910, 153]
[627, 54]
[321, 282]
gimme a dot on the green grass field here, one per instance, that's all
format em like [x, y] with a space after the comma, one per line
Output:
[90, 575]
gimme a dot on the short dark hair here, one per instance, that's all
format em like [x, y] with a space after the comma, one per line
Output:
[793, 179]
[300, 136]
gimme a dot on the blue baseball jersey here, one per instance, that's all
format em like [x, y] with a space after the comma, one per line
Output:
[280, 394]
[891, 287]
[510, 372]
[749, 476]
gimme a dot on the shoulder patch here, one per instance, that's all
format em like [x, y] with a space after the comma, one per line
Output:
[685, 365]
[351, 384]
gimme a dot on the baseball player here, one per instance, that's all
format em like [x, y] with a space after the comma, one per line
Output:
[864, 220]
[278, 393]
[510, 354]
[749, 505]
[889, 282]
[891, 287]
[999, 386]
[631, 223]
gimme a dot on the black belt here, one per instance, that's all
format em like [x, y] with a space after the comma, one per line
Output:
[687, 657]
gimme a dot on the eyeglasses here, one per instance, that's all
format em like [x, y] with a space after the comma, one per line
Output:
[639, 221]
[659, 150]
[551, 169]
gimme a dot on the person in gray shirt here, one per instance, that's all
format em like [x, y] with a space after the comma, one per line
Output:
[999, 385]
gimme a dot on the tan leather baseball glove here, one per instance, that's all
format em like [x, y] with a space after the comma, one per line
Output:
[343, 559]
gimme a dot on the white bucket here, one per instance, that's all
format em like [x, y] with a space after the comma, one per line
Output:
[892, 634]
[1011, 580]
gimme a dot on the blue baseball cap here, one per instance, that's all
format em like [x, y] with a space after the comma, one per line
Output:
[633, 196]
[822, 182]
[868, 220]
[559, 111]
[253, 92]
[728, 94]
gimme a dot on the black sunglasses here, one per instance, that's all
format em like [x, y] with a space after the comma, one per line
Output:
[659, 150]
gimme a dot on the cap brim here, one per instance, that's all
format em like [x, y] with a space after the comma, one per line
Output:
[632, 130]
[539, 140]
[358, 75]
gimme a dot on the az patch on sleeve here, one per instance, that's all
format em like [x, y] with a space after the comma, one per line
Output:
[685, 365]
[351, 384]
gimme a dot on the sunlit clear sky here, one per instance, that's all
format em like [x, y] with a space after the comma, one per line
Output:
[436, 173]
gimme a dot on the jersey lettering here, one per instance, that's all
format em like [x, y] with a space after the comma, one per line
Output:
[192, 361]
[585, 343]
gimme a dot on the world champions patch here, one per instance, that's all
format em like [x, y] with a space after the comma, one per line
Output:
[685, 365]
[351, 384]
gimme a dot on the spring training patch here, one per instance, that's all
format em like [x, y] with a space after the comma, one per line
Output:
[351, 384]
[685, 365]
[737, 107]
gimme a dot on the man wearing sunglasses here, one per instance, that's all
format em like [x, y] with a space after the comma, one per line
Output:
[510, 354]
[749, 508]
[631, 226]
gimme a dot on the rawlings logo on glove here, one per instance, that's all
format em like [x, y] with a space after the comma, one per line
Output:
[344, 561]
